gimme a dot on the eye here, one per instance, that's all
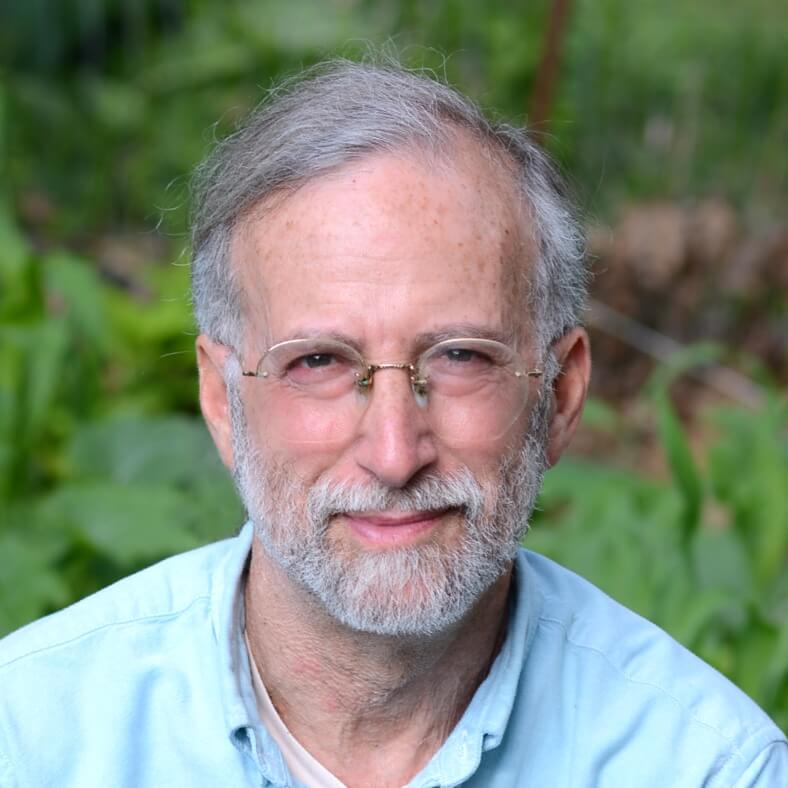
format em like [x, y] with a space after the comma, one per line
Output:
[319, 368]
[315, 365]
[459, 361]
[315, 360]
[464, 355]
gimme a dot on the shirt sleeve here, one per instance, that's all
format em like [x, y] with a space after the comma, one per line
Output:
[769, 769]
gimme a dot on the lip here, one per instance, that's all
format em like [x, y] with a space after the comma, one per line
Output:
[393, 529]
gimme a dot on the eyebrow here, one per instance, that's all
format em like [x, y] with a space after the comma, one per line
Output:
[420, 342]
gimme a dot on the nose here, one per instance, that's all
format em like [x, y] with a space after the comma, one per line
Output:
[394, 440]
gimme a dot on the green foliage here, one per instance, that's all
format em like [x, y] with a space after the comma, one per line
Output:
[113, 104]
[703, 554]
[95, 481]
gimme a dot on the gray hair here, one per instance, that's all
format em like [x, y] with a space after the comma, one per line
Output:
[338, 112]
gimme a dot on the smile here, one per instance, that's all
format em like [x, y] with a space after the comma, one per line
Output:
[393, 529]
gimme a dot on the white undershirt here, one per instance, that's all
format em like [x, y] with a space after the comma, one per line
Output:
[302, 764]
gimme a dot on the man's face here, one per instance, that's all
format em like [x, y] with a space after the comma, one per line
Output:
[394, 528]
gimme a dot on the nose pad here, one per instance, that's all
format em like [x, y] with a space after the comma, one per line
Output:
[418, 382]
[394, 437]
[418, 385]
[393, 395]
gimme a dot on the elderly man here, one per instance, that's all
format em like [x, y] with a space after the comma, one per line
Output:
[389, 291]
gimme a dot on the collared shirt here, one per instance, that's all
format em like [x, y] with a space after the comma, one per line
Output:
[147, 683]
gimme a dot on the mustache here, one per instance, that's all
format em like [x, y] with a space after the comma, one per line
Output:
[431, 492]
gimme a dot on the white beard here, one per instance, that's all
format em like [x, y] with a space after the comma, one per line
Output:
[417, 590]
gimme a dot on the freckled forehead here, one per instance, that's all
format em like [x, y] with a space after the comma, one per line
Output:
[404, 222]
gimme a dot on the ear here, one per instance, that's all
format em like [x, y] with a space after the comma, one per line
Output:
[211, 358]
[570, 387]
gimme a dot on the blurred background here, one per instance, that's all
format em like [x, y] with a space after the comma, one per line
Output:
[670, 119]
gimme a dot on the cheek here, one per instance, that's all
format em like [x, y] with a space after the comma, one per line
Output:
[301, 440]
[486, 459]
[288, 422]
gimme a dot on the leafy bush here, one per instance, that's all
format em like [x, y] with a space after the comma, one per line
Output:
[95, 480]
[654, 98]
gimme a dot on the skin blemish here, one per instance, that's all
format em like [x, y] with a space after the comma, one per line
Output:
[308, 668]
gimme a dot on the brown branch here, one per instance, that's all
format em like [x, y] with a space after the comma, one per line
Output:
[722, 379]
[547, 70]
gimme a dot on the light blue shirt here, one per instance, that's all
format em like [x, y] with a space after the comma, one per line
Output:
[147, 683]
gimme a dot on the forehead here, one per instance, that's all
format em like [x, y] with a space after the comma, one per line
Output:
[392, 244]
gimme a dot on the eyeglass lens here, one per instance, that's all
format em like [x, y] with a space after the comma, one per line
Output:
[467, 391]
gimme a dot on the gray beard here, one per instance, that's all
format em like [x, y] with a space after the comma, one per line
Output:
[418, 590]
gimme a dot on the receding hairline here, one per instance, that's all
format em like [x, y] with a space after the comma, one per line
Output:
[464, 153]
[327, 117]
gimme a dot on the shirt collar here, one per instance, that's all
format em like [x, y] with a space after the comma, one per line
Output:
[480, 729]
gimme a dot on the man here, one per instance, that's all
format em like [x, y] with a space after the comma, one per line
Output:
[389, 289]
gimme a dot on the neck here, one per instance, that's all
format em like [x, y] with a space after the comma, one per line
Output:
[372, 709]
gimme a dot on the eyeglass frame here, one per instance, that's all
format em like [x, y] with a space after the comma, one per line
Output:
[418, 384]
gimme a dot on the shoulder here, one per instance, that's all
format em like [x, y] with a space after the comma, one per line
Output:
[125, 675]
[615, 682]
[164, 590]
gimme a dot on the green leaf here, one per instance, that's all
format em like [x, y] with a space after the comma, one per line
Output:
[75, 291]
[756, 493]
[174, 450]
[703, 610]
[32, 359]
[754, 654]
[681, 463]
[218, 510]
[20, 292]
[721, 562]
[776, 674]
[46, 358]
[129, 524]
[28, 586]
